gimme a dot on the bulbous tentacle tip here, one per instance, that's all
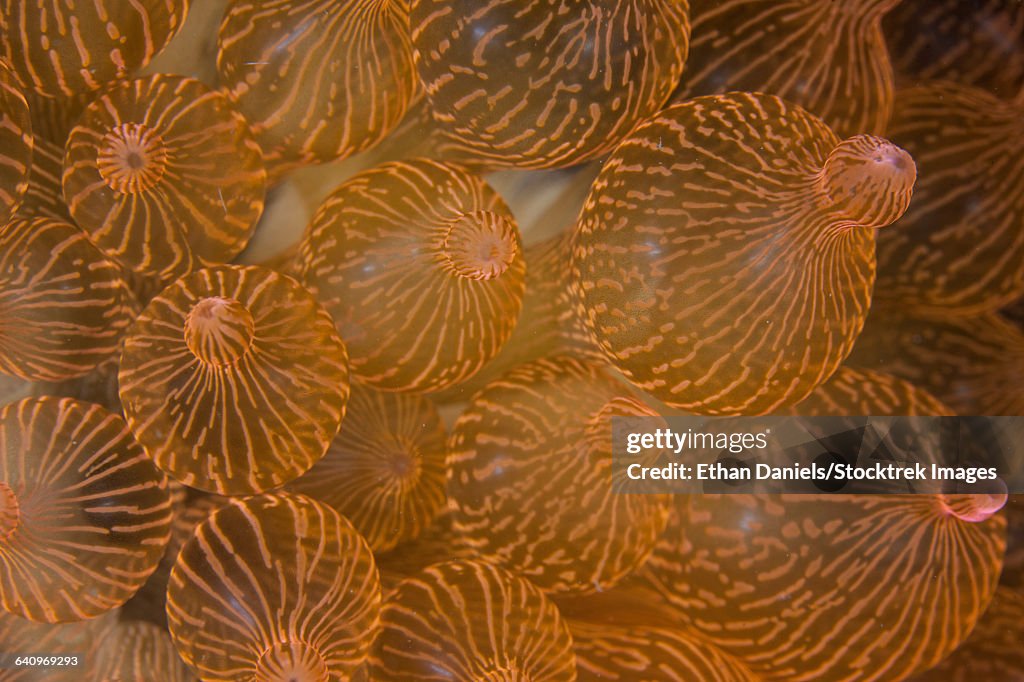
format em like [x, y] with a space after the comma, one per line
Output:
[132, 158]
[868, 181]
[402, 463]
[219, 330]
[291, 662]
[975, 507]
[480, 245]
[10, 511]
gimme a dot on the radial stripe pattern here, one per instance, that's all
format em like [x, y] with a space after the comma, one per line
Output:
[829, 57]
[724, 259]
[531, 481]
[164, 175]
[548, 83]
[319, 79]
[274, 587]
[86, 516]
[63, 304]
[64, 47]
[16, 144]
[421, 266]
[974, 364]
[471, 621]
[855, 391]
[385, 472]
[800, 586]
[234, 379]
[960, 246]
